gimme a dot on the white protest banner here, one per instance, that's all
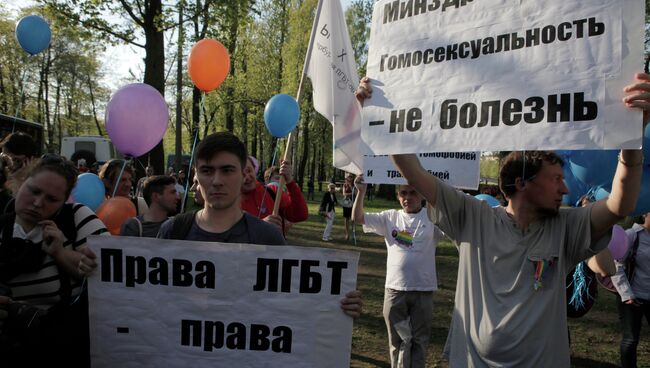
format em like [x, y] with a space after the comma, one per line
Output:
[459, 169]
[332, 69]
[169, 303]
[463, 75]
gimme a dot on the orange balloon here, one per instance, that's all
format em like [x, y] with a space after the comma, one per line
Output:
[114, 211]
[208, 64]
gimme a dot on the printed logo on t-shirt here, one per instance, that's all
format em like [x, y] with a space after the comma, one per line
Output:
[403, 238]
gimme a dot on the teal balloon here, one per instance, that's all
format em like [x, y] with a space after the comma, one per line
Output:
[281, 115]
[89, 191]
[33, 34]
[491, 201]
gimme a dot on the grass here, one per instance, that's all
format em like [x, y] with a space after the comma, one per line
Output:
[595, 337]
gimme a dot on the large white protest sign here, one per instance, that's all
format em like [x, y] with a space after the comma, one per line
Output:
[167, 303]
[459, 169]
[463, 75]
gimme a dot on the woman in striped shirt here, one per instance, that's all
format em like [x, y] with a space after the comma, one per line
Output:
[43, 258]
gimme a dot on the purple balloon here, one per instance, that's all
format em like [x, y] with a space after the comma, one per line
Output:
[136, 119]
[618, 244]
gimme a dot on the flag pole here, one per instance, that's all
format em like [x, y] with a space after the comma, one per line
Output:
[310, 46]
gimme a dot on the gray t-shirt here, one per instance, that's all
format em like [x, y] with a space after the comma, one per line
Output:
[131, 227]
[510, 307]
[248, 230]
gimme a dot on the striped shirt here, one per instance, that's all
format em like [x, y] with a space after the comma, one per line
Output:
[43, 287]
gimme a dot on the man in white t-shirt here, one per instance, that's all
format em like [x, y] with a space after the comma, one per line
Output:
[411, 239]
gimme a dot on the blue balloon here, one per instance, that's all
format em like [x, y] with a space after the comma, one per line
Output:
[89, 190]
[33, 34]
[594, 168]
[281, 115]
[491, 201]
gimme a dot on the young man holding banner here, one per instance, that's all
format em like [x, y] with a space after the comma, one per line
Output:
[219, 162]
[510, 307]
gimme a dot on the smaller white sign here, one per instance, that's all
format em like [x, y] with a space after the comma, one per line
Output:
[459, 169]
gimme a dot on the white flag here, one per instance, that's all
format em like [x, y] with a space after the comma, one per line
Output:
[332, 70]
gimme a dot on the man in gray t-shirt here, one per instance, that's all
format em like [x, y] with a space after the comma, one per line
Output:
[510, 307]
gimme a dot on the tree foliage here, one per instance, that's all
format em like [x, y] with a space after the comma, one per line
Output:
[267, 40]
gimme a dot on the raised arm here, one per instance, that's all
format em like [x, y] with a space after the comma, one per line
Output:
[627, 179]
[357, 208]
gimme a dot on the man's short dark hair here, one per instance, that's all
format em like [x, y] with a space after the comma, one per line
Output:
[19, 143]
[221, 142]
[513, 167]
[155, 184]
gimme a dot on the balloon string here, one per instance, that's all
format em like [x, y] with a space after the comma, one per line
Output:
[275, 152]
[119, 178]
[188, 176]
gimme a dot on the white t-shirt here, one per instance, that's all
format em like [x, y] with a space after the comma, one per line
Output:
[411, 239]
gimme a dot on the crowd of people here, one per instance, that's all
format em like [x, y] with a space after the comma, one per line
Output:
[510, 306]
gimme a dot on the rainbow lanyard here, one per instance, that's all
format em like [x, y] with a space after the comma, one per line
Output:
[540, 269]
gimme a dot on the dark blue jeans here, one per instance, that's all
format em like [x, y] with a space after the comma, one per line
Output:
[631, 318]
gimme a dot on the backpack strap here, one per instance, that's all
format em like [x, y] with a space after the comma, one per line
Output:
[182, 224]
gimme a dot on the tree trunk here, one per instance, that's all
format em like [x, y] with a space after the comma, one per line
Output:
[3, 92]
[39, 95]
[254, 140]
[179, 93]
[57, 110]
[305, 149]
[46, 102]
[94, 107]
[196, 114]
[232, 47]
[154, 73]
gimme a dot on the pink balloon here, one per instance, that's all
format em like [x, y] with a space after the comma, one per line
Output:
[618, 244]
[136, 119]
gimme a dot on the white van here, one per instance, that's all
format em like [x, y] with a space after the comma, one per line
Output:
[100, 146]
